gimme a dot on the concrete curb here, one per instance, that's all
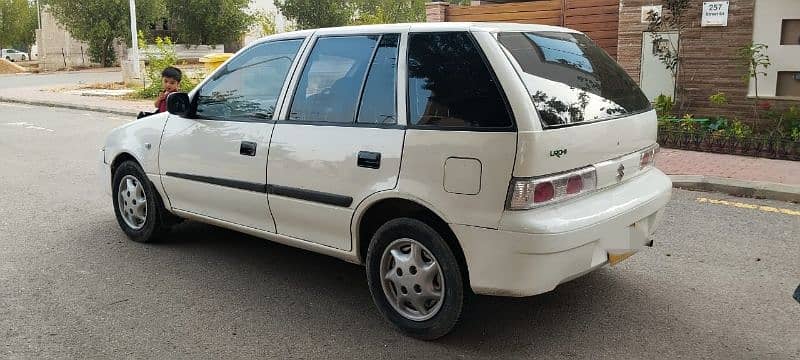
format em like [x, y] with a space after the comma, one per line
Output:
[736, 187]
[70, 106]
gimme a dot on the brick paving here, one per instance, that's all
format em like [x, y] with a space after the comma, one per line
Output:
[682, 162]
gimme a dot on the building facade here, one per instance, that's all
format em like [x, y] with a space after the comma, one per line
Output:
[712, 33]
[56, 47]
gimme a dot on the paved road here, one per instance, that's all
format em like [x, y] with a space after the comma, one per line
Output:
[71, 78]
[718, 283]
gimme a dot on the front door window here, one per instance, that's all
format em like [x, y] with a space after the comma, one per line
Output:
[247, 88]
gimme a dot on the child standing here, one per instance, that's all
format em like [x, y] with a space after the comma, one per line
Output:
[171, 82]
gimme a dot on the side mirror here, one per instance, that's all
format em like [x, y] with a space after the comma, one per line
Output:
[179, 104]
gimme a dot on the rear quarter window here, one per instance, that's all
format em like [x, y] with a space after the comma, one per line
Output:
[571, 80]
[450, 85]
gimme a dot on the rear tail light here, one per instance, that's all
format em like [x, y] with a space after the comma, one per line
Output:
[647, 158]
[530, 193]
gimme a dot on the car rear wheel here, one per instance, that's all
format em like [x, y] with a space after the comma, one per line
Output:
[9, 58]
[138, 207]
[24, 58]
[415, 279]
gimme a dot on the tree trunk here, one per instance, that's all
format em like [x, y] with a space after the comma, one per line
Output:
[755, 108]
[107, 50]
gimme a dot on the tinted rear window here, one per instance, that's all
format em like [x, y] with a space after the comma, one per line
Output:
[571, 80]
[451, 86]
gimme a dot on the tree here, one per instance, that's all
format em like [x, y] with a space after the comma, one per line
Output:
[100, 22]
[390, 11]
[210, 22]
[266, 23]
[309, 14]
[756, 61]
[669, 55]
[17, 23]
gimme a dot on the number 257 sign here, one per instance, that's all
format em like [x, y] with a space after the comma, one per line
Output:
[715, 13]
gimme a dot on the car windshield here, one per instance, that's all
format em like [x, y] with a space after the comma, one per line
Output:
[571, 80]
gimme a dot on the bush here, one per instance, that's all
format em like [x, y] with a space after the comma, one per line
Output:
[164, 56]
[663, 106]
[718, 99]
[738, 130]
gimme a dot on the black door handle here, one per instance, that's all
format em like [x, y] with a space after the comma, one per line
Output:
[248, 148]
[369, 159]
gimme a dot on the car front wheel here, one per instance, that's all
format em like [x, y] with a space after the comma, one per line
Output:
[415, 279]
[139, 210]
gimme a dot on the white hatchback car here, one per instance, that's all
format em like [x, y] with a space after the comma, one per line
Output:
[499, 158]
[13, 55]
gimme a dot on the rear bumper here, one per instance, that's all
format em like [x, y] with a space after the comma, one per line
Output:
[534, 251]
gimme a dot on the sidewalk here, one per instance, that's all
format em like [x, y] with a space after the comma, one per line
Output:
[46, 97]
[736, 175]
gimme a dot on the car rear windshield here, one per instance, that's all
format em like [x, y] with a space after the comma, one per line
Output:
[571, 80]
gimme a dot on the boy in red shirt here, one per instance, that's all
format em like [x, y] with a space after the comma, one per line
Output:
[170, 82]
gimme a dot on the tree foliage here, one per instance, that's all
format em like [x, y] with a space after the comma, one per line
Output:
[164, 54]
[756, 61]
[309, 14]
[100, 22]
[17, 24]
[210, 22]
[266, 23]
[390, 11]
[672, 20]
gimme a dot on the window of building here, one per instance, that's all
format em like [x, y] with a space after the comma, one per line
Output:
[788, 84]
[790, 32]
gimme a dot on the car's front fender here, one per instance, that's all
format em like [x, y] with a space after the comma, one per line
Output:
[140, 139]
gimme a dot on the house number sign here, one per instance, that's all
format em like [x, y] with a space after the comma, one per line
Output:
[715, 13]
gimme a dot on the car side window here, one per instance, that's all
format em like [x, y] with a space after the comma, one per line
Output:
[247, 89]
[330, 85]
[450, 84]
[379, 98]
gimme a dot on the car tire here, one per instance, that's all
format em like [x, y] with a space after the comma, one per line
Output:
[402, 262]
[24, 58]
[9, 58]
[143, 221]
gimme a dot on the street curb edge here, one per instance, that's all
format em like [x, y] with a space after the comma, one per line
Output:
[736, 187]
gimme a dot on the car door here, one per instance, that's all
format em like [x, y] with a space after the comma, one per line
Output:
[214, 162]
[338, 141]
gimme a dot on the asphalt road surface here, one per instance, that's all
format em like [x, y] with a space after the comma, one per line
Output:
[717, 284]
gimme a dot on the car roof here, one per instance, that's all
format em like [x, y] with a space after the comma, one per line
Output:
[420, 27]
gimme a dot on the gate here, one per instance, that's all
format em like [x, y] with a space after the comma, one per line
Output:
[599, 19]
